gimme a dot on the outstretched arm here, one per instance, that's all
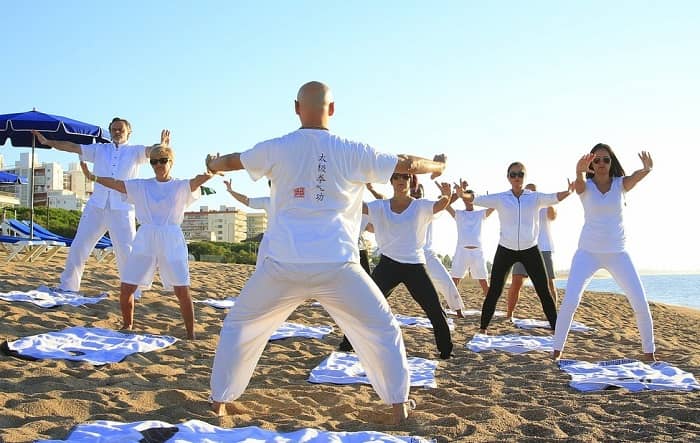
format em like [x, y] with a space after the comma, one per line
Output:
[220, 163]
[444, 199]
[61, 145]
[411, 164]
[631, 181]
[582, 167]
[569, 189]
[199, 180]
[117, 185]
[240, 197]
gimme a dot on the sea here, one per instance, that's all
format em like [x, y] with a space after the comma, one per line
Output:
[672, 289]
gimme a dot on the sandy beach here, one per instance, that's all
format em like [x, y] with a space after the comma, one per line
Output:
[490, 396]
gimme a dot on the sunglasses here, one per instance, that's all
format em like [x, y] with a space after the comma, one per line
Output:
[162, 161]
[606, 160]
[402, 176]
[520, 174]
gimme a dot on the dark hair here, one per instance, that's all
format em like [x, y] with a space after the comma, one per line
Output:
[118, 119]
[516, 164]
[616, 169]
[416, 188]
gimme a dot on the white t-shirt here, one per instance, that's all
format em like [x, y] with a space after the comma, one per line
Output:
[469, 227]
[401, 237]
[519, 217]
[544, 239]
[118, 163]
[318, 181]
[160, 209]
[603, 230]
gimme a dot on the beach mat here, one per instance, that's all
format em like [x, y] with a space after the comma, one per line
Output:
[153, 431]
[46, 297]
[96, 346]
[226, 303]
[342, 368]
[529, 323]
[513, 343]
[420, 322]
[629, 374]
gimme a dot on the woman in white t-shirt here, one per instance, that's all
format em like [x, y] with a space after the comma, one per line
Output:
[518, 211]
[400, 226]
[160, 204]
[601, 184]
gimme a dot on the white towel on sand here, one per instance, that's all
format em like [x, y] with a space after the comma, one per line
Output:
[226, 303]
[345, 368]
[46, 297]
[513, 343]
[199, 431]
[93, 345]
[420, 322]
[288, 330]
[632, 375]
[529, 323]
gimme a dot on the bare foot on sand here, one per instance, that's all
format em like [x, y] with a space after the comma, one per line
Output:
[127, 327]
[401, 411]
[556, 356]
[649, 357]
[222, 409]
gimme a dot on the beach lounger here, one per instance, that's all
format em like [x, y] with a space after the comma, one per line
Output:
[22, 249]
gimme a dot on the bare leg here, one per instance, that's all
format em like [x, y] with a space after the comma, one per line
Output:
[513, 294]
[484, 286]
[126, 301]
[186, 309]
[456, 281]
[556, 355]
[649, 357]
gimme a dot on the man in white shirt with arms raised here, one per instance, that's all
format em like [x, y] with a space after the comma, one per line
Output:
[317, 182]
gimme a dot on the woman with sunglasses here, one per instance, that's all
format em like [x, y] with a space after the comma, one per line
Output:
[400, 226]
[601, 184]
[160, 204]
[518, 212]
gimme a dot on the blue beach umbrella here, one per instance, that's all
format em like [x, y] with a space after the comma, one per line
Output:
[6, 177]
[18, 129]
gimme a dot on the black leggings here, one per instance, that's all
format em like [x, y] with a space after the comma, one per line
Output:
[389, 273]
[534, 265]
[364, 261]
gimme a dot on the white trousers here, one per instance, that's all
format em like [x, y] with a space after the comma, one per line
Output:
[94, 223]
[469, 260]
[348, 294]
[619, 265]
[443, 281]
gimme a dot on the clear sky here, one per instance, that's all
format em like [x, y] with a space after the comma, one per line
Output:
[486, 83]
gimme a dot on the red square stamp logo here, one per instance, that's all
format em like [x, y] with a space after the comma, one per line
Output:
[299, 192]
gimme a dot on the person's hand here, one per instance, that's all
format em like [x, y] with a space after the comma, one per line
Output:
[84, 167]
[445, 188]
[165, 137]
[458, 190]
[440, 158]
[227, 183]
[207, 162]
[39, 136]
[584, 164]
[647, 162]
[571, 185]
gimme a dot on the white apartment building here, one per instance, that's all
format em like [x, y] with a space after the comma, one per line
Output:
[228, 224]
[53, 186]
[257, 223]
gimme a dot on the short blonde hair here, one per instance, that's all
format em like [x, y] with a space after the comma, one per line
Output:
[161, 151]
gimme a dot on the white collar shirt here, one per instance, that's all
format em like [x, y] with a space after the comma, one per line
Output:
[119, 163]
[519, 217]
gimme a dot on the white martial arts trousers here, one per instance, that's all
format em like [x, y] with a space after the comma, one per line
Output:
[619, 265]
[348, 294]
[442, 280]
[94, 223]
